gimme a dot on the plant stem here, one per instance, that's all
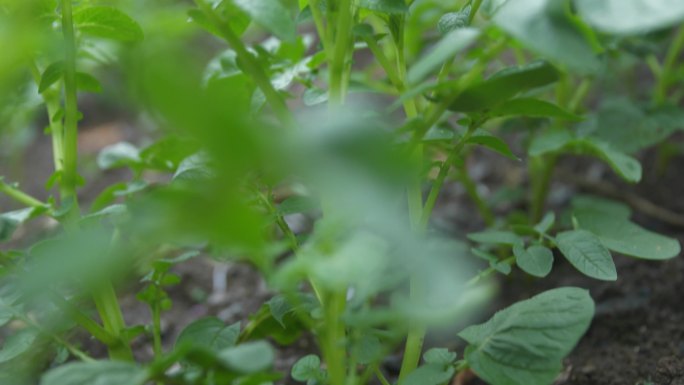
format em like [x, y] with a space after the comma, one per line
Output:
[344, 24]
[156, 328]
[665, 76]
[334, 337]
[250, 65]
[541, 171]
[108, 307]
[70, 139]
[20, 196]
[471, 189]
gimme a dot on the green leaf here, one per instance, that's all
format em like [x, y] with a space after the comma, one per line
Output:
[546, 223]
[307, 368]
[493, 143]
[626, 17]
[621, 235]
[586, 252]
[439, 356]
[525, 343]
[96, 373]
[496, 236]
[210, 332]
[118, 155]
[271, 15]
[444, 50]
[52, 74]
[88, 83]
[385, 6]
[17, 344]
[531, 107]
[298, 204]
[368, 349]
[250, 357]
[107, 22]
[536, 260]
[559, 140]
[544, 27]
[504, 85]
[9, 221]
[430, 374]
[453, 20]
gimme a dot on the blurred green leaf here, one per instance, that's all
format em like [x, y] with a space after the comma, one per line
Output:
[308, 368]
[107, 22]
[493, 143]
[496, 237]
[96, 373]
[531, 107]
[88, 83]
[271, 15]
[439, 356]
[454, 42]
[385, 6]
[429, 374]
[118, 155]
[250, 357]
[504, 85]
[51, 75]
[543, 26]
[629, 17]
[209, 332]
[17, 344]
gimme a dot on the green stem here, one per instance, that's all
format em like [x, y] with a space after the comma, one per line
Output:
[671, 57]
[108, 307]
[488, 271]
[83, 320]
[344, 24]
[249, 65]
[471, 189]
[380, 376]
[334, 337]
[475, 6]
[541, 171]
[156, 328]
[20, 196]
[314, 5]
[70, 139]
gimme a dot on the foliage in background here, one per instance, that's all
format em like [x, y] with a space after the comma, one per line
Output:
[352, 112]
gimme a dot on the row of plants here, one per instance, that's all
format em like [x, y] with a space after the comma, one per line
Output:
[355, 113]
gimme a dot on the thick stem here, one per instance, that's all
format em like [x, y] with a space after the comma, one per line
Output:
[334, 337]
[70, 139]
[108, 307]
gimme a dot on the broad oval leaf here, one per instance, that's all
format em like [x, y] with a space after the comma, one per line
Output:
[444, 50]
[271, 15]
[542, 26]
[107, 22]
[627, 167]
[504, 85]
[536, 260]
[211, 333]
[96, 373]
[525, 343]
[630, 16]
[621, 235]
[586, 252]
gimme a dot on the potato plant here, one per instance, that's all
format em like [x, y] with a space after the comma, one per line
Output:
[354, 114]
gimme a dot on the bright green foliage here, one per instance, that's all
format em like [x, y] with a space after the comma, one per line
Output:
[108, 23]
[444, 50]
[271, 15]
